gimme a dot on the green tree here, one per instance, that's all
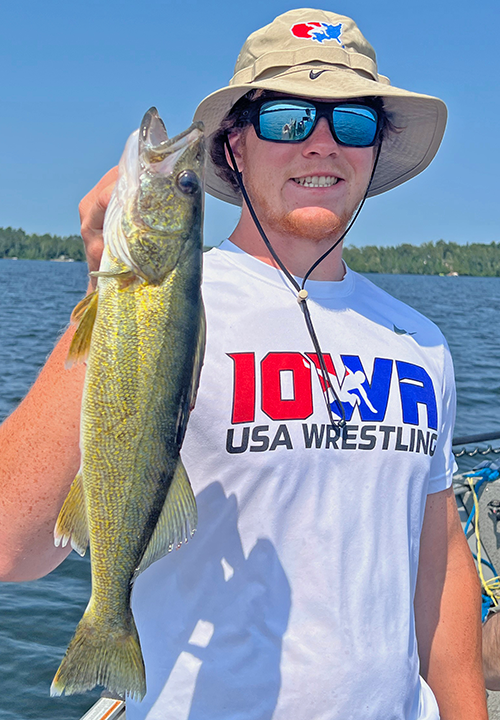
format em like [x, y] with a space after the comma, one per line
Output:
[16, 243]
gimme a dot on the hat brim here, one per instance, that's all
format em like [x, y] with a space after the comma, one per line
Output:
[420, 119]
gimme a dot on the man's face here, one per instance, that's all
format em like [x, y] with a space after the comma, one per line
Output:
[309, 189]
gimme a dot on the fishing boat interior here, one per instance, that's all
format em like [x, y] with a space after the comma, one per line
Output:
[476, 485]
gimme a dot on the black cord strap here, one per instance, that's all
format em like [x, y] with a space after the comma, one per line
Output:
[256, 219]
[353, 220]
[301, 292]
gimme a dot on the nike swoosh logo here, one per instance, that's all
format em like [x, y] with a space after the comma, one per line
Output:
[313, 75]
[401, 331]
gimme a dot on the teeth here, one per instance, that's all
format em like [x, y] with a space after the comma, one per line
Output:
[317, 181]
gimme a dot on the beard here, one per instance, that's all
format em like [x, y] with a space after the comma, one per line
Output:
[307, 223]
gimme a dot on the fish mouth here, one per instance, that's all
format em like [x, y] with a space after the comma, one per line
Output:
[193, 133]
[163, 158]
[185, 138]
[153, 129]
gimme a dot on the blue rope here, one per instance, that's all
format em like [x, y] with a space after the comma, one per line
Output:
[486, 475]
[485, 562]
[486, 603]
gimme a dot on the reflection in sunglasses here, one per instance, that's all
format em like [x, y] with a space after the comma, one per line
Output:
[354, 125]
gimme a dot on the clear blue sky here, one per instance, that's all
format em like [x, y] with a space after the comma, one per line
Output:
[76, 78]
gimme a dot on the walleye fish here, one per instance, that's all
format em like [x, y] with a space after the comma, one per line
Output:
[143, 330]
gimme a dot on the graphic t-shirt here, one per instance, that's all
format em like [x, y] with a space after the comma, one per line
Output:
[294, 600]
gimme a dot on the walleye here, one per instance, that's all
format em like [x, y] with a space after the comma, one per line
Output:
[143, 330]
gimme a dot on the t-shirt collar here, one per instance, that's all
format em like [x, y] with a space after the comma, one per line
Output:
[315, 288]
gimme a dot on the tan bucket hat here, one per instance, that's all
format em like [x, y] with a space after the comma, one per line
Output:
[319, 54]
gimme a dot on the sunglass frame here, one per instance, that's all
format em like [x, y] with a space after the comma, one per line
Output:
[323, 109]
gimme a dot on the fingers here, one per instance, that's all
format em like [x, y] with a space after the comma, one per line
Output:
[92, 210]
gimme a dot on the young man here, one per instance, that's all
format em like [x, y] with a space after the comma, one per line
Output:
[298, 598]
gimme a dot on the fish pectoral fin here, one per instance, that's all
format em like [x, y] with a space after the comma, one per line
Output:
[82, 306]
[85, 314]
[71, 525]
[177, 521]
[124, 277]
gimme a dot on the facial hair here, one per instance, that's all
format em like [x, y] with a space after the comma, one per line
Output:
[306, 223]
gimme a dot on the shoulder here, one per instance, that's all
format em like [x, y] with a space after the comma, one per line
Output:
[211, 256]
[395, 314]
[228, 269]
[412, 336]
[219, 264]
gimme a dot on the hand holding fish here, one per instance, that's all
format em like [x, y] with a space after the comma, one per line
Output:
[92, 211]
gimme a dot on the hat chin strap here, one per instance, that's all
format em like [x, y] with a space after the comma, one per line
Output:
[301, 291]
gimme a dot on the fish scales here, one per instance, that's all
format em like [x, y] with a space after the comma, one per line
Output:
[149, 385]
[131, 497]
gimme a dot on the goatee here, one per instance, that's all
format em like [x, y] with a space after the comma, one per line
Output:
[308, 223]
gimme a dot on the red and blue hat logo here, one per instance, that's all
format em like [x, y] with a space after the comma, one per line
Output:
[319, 31]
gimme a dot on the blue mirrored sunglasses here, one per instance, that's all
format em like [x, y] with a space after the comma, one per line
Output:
[292, 121]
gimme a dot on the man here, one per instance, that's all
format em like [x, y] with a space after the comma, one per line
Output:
[298, 598]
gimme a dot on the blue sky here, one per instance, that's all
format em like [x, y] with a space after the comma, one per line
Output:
[77, 77]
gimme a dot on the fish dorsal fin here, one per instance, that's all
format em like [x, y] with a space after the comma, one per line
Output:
[177, 521]
[84, 314]
[72, 523]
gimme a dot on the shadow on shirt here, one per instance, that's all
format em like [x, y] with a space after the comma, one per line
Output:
[211, 623]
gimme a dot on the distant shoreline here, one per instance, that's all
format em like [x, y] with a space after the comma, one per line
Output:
[440, 258]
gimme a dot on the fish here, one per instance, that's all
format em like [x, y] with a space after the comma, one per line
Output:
[142, 336]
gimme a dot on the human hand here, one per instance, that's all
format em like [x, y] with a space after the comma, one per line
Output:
[92, 210]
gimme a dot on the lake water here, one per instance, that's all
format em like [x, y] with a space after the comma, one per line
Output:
[37, 619]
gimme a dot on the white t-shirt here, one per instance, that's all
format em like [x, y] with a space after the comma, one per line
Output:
[294, 600]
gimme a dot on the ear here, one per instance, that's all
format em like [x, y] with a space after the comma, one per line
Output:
[237, 142]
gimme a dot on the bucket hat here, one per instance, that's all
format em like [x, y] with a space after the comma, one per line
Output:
[323, 55]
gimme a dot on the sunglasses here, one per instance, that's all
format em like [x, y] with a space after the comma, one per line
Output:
[292, 121]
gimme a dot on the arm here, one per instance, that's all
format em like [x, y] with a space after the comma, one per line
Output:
[39, 442]
[448, 613]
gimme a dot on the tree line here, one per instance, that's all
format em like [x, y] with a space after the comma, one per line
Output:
[18, 244]
[440, 258]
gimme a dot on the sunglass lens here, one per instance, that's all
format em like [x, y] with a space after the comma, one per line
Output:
[286, 121]
[355, 125]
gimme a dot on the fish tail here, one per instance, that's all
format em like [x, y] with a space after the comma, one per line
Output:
[98, 655]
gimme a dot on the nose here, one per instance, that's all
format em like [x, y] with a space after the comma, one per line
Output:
[321, 141]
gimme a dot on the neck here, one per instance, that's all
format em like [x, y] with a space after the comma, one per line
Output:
[298, 254]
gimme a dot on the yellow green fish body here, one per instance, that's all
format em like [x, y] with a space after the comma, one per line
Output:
[131, 497]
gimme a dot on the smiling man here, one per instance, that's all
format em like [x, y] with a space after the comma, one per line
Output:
[308, 187]
[329, 567]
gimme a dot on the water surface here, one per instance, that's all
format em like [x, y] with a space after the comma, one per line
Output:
[37, 619]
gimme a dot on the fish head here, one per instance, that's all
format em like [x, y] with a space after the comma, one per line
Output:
[167, 214]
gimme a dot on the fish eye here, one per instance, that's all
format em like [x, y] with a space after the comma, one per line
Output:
[187, 181]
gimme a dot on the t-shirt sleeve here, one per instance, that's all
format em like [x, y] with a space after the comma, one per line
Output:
[443, 461]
